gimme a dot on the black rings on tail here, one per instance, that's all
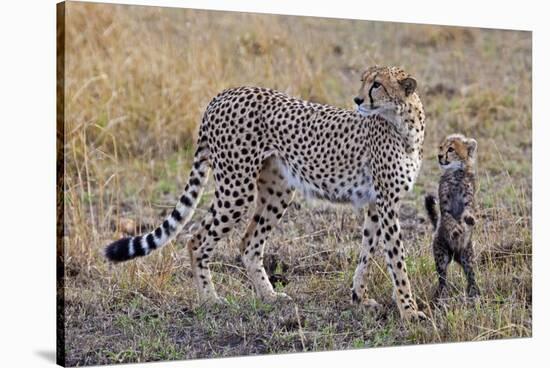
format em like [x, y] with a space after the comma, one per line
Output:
[118, 251]
[430, 202]
[132, 247]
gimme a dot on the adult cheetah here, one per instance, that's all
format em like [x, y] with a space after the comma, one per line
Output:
[261, 145]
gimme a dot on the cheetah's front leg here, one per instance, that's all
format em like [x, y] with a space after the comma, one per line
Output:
[371, 233]
[395, 259]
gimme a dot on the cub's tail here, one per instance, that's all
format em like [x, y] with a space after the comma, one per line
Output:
[128, 248]
[431, 208]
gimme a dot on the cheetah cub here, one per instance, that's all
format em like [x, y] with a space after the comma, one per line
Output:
[455, 221]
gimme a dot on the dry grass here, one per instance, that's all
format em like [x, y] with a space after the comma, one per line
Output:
[137, 81]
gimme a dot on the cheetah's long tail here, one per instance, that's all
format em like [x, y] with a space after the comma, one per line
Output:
[128, 248]
[431, 208]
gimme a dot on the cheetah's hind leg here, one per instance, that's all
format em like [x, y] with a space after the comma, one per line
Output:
[224, 214]
[274, 196]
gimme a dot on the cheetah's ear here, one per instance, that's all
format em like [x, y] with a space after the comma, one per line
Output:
[371, 69]
[408, 84]
[472, 147]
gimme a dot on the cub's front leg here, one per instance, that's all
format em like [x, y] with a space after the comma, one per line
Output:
[454, 228]
[468, 217]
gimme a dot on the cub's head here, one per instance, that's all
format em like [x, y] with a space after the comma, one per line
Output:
[384, 87]
[457, 151]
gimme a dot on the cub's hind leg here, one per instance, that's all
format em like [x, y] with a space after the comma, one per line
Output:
[274, 196]
[442, 258]
[223, 215]
[371, 233]
[466, 260]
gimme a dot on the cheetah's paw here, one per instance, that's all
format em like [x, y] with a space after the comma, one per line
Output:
[215, 301]
[366, 302]
[414, 315]
[276, 297]
[371, 304]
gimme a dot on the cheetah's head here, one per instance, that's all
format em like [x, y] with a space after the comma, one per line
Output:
[457, 151]
[385, 88]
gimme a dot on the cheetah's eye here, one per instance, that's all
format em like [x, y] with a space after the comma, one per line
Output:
[376, 85]
[451, 149]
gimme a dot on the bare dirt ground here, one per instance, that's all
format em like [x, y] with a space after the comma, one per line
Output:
[137, 81]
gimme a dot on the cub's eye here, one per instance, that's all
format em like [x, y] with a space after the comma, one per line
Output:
[451, 149]
[376, 85]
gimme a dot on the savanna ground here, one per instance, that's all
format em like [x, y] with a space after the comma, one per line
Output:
[137, 80]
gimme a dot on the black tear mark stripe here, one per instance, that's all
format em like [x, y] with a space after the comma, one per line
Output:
[371, 100]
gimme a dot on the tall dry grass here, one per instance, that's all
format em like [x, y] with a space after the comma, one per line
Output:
[137, 81]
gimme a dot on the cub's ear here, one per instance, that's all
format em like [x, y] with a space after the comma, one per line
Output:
[408, 84]
[472, 147]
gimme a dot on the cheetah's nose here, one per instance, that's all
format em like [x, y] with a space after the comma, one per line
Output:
[358, 100]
